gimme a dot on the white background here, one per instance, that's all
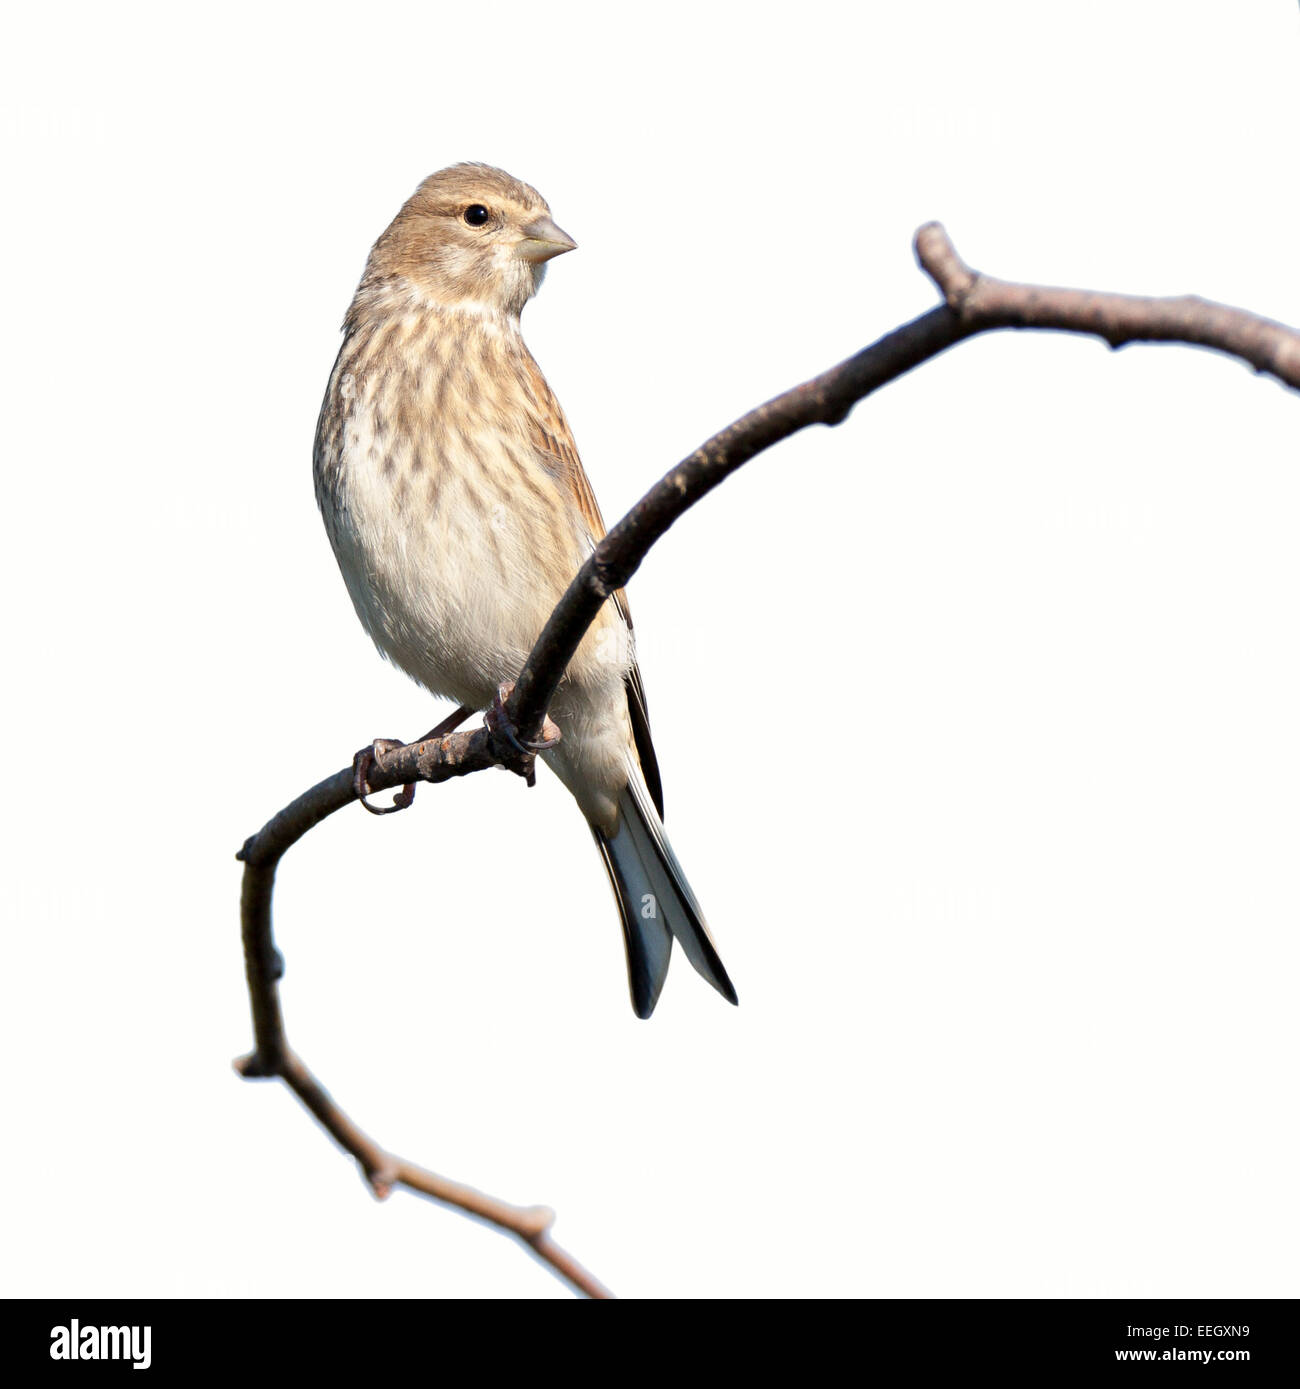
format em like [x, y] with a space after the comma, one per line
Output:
[977, 715]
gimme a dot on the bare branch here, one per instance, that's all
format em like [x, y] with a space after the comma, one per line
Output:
[974, 303]
[981, 303]
[385, 1173]
[272, 1058]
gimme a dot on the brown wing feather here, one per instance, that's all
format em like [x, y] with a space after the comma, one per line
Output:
[553, 440]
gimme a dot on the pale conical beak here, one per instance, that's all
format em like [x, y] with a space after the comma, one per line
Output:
[543, 239]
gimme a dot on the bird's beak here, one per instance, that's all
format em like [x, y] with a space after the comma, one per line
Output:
[542, 239]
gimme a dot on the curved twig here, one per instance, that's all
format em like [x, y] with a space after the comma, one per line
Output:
[458, 753]
[974, 303]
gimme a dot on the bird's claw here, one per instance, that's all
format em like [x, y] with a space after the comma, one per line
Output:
[499, 724]
[361, 765]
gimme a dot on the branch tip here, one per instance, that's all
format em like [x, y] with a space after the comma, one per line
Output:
[387, 1174]
[535, 1222]
[939, 259]
[253, 1067]
[381, 1184]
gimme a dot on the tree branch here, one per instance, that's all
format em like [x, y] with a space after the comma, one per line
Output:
[974, 303]
[452, 755]
[982, 303]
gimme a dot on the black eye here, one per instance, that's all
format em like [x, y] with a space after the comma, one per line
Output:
[476, 214]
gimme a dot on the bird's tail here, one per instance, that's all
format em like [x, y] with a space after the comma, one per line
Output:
[655, 901]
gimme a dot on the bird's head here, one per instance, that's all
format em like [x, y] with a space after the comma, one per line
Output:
[471, 234]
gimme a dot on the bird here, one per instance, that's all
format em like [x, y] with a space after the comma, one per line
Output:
[458, 510]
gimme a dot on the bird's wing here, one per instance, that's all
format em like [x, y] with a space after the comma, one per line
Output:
[553, 440]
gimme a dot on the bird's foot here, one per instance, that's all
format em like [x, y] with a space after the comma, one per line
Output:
[499, 725]
[361, 765]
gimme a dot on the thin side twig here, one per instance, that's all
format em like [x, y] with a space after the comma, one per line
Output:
[983, 303]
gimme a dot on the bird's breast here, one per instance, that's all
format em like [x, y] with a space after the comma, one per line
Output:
[454, 536]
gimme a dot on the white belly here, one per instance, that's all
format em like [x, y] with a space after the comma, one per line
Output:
[454, 579]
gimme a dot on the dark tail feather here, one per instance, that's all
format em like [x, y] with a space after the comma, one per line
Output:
[655, 902]
[648, 942]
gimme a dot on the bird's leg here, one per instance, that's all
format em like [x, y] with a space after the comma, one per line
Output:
[365, 759]
[449, 725]
[499, 724]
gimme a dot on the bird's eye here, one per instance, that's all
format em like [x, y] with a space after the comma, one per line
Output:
[476, 214]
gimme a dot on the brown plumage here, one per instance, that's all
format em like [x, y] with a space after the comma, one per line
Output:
[459, 511]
